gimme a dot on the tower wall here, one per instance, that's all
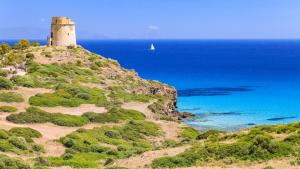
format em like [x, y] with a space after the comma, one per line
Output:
[62, 32]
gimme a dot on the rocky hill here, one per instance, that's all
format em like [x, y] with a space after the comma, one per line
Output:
[65, 108]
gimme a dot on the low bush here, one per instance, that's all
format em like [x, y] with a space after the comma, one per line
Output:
[5, 83]
[8, 109]
[27, 133]
[209, 134]
[36, 115]
[12, 163]
[3, 73]
[18, 142]
[117, 93]
[10, 97]
[70, 96]
[114, 115]
[280, 128]
[27, 81]
[189, 133]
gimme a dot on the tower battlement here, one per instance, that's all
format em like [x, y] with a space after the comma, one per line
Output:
[62, 32]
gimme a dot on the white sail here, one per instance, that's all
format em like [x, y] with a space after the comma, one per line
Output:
[152, 47]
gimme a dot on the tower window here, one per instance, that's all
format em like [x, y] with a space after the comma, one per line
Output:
[51, 34]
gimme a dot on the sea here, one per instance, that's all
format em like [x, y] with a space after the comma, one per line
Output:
[227, 84]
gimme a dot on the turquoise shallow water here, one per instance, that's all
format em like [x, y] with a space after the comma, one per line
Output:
[228, 84]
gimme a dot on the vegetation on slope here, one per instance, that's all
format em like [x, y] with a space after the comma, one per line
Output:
[257, 144]
[9, 97]
[19, 140]
[114, 115]
[12, 163]
[87, 147]
[36, 115]
[70, 96]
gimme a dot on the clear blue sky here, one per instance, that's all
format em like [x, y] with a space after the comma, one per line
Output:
[144, 19]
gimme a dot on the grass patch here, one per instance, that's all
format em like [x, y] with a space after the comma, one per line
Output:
[36, 115]
[114, 115]
[189, 133]
[8, 109]
[70, 96]
[9, 97]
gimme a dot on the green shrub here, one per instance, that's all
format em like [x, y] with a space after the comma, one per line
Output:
[70, 96]
[29, 56]
[18, 142]
[35, 44]
[38, 148]
[4, 48]
[8, 109]
[22, 44]
[27, 133]
[189, 133]
[27, 81]
[12, 163]
[114, 115]
[117, 93]
[170, 143]
[170, 162]
[268, 167]
[209, 134]
[3, 134]
[10, 97]
[116, 167]
[36, 115]
[3, 73]
[293, 138]
[157, 107]
[5, 83]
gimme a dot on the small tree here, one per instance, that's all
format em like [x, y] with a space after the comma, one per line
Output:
[29, 56]
[35, 44]
[22, 44]
[4, 48]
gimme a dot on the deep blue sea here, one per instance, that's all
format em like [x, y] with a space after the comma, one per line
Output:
[228, 84]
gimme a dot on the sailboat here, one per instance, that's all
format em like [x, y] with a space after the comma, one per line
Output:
[152, 47]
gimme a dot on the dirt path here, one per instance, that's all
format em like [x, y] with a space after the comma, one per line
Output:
[141, 107]
[146, 158]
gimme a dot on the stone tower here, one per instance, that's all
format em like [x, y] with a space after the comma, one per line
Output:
[62, 32]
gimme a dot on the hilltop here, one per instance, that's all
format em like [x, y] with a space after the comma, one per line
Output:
[65, 108]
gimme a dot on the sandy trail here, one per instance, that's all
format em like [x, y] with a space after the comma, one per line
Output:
[141, 107]
[83, 108]
[146, 158]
